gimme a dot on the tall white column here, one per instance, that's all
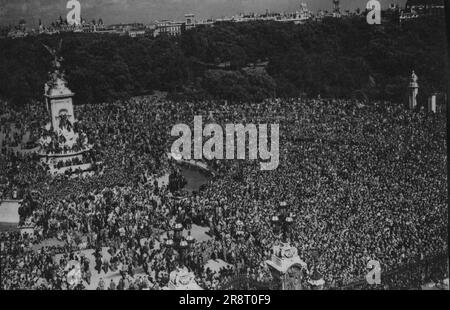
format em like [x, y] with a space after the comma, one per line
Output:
[413, 91]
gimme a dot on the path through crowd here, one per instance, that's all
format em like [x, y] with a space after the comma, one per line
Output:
[9, 215]
[96, 276]
[197, 232]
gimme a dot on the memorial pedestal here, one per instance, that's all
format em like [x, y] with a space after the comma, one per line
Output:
[62, 147]
[287, 267]
[182, 279]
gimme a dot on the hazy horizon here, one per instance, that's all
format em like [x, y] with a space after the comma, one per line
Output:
[147, 11]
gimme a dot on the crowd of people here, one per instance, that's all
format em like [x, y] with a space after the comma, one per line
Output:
[362, 182]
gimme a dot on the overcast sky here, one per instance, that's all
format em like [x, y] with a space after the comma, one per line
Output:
[146, 11]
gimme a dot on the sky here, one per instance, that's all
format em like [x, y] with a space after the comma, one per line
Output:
[146, 11]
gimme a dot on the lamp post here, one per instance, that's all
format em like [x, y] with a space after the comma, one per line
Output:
[190, 239]
[179, 276]
[283, 220]
[239, 228]
[182, 247]
[179, 243]
[169, 244]
[178, 229]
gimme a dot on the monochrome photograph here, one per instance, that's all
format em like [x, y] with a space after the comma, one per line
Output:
[231, 145]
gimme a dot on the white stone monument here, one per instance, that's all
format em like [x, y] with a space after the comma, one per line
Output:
[58, 97]
[413, 91]
[60, 142]
[59, 102]
[286, 265]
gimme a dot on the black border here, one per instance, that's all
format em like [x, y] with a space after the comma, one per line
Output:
[310, 300]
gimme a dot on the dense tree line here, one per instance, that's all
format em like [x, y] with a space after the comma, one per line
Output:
[334, 58]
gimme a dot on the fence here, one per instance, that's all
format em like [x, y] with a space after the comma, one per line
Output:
[411, 276]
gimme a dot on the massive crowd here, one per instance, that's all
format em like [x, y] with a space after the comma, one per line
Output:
[363, 181]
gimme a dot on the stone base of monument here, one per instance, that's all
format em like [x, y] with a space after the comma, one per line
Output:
[27, 230]
[181, 279]
[52, 160]
[287, 267]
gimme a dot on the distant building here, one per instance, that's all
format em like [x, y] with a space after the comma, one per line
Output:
[17, 33]
[405, 16]
[425, 6]
[136, 33]
[417, 8]
[207, 22]
[170, 28]
[133, 30]
[190, 21]
[297, 17]
[61, 25]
